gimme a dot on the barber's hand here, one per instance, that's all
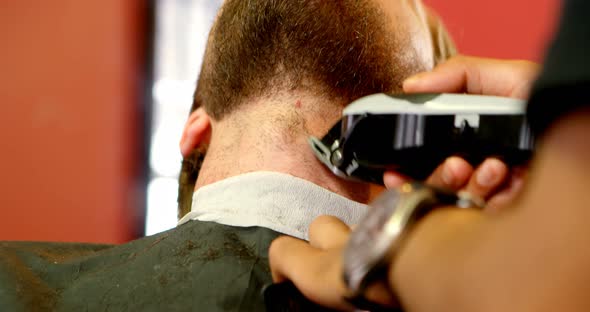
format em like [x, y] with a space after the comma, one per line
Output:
[492, 180]
[316, 267]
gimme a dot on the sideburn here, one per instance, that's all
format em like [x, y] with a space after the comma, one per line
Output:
[189, 173]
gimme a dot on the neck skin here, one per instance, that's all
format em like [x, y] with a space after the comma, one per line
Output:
[271, 135]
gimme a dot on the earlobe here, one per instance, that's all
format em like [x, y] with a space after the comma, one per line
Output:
[197, 131]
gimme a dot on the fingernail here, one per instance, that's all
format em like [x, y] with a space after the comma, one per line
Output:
[488, 176]
[412, 80]
[392, 180]
[448, 177]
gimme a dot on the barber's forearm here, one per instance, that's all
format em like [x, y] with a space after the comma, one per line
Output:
[428, 268]
[533, 256]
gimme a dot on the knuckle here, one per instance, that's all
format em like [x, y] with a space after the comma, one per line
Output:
[276, 245]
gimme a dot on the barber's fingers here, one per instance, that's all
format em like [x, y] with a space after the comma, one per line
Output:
[452, 174]
[492, 180]
[393, 179]
[487, 178]
[328, 232]
[476, 76]
[315, 272]
[510, 190]
[456, 173]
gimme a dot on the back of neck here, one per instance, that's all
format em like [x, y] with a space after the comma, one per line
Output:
[272, 143]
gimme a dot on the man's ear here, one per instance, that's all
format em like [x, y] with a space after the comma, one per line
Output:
[197, 132]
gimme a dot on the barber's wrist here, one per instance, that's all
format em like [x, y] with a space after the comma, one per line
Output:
[423, 274]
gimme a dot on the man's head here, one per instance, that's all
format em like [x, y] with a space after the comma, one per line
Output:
[288, 68]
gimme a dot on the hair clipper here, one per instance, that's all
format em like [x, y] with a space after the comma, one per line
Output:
[413, 134]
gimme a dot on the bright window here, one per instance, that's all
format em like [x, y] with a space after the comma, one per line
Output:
[181, 27]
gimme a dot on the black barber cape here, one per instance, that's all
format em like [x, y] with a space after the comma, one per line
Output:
[199, 266]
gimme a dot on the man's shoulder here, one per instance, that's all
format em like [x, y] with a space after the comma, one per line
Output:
[198, 266]
[203, 265]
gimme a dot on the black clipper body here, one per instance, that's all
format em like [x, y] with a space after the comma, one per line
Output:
[413, 134]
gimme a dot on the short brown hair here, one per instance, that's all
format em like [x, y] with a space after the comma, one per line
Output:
[341, 49]
[337, 47]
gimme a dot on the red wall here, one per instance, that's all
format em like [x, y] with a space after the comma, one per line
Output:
[500, 28]
[68, 74]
